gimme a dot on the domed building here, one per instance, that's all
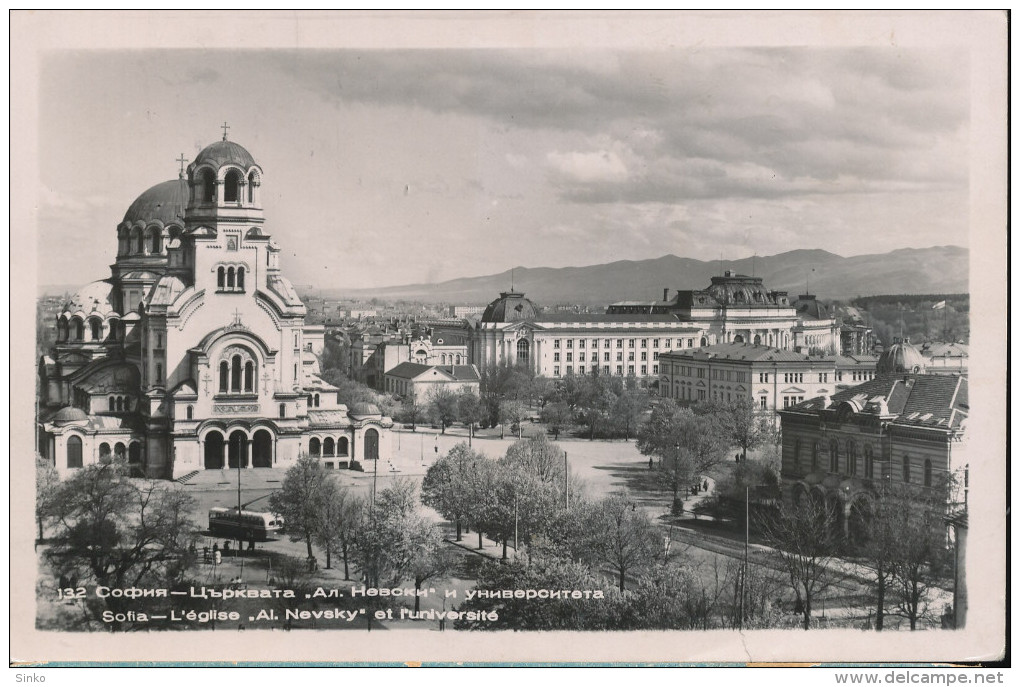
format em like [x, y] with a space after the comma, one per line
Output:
[194, 353]
[902, 358]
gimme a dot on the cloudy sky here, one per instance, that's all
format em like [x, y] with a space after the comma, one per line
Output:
[395, 166]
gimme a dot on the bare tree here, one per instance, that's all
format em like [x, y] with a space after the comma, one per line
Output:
[47, 483]
[805, 542]
[625, 537]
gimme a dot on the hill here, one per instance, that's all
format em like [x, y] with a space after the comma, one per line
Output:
[938, 269]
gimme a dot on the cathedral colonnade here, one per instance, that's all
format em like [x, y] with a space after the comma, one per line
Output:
[237, 446]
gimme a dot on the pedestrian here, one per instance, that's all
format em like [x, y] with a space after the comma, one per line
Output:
[706, 485]
[650, 463]
[251, 542]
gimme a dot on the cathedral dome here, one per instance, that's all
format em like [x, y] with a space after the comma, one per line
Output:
[69, 414]
[901, 357]
[365, 410]
[224, 153]
[95, 297]
[511, 306]
[163, 202]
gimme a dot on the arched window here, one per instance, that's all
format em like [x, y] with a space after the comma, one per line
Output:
[851, 458]
[523, 350]
[249, 376]
[224, 374]
[235, 373]
[208, 186]
[78, 328]
[114, 326]
[757, 338]
[74, 452]
[230, 277]
[232, 187]
[704, 341]
[328, 446]
[341, 446]
[251, 187]
[371, 445]
[113, 407]
[104, 453]
[220, 274]
[906, 469]
[61, 329]
[159, 373]
[137, 241]
[283, 410]
[153, 241]
[120, 404]
[834, 456]
[927, 472]
[314, 446]
[315, 400]
[240, 278]
[189, 412]
[869, 463]
[96, 328]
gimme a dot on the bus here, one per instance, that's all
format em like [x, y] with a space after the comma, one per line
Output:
[251, 524]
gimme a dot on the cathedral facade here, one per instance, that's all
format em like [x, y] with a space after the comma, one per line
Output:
[194, 353]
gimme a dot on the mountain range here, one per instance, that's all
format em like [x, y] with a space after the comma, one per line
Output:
[938, 269]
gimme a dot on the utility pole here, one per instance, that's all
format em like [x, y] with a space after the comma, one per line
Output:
[747, 535]
[515, 525]
[566, 481]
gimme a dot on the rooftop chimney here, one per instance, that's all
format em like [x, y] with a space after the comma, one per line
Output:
[665, 294]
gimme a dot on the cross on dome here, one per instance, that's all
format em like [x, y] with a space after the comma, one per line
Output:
[182, 160]
[224, 127]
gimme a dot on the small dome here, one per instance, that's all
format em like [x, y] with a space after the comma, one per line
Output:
[363, 409]
[511, 306]
[901, 357]
[809, 307]
[163, 202]
[69, 414]
[96, 297]
[224, 153]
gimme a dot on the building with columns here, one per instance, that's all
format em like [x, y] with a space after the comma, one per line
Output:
[194, 353]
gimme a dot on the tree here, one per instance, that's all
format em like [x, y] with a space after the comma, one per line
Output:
[431, 559]
[628, 409]
[301, 498]
[557, 415]
[743, 425]
[443, 487]
[625, 537]
[341, 515]
[539, 457]
[47, 486]
[805, 542]
[410, 411]
[442, 407]
[116, 533]
[469, 411]
[594, 397]
[687, 444]
[514, 413]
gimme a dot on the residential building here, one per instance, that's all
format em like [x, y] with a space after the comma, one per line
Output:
[414, 380]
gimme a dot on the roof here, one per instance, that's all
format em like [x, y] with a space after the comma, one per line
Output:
[461, 373]
[224, 153]
[95, 297]
[511, 306]
[408, 370]
[941, 349]
[742, 351]
[605, 317]
[166, 291]
[328, 418]
[69, 414]
[163, 202]
[456, 373]
[921, 399]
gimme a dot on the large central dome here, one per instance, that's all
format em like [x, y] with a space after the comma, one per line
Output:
[164, 202]
[225, 153]
[511, 306]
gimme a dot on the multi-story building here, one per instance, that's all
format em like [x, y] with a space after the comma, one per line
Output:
[630, 336]
[774, 378]
[372, 360]
[194, 354]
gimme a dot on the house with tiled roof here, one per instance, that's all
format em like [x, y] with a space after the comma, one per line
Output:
[905, 429]
[414, 380]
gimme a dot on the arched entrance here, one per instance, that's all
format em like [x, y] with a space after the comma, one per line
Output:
[135, 459]
[371, 445]
[105, 455]
[213, 451]
[262, 449]
[757, 339]
[237, 449]
[738, 339]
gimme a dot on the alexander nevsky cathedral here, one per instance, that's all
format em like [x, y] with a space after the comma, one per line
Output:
[194, 353]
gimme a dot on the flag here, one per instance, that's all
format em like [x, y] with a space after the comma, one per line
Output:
[939, 306]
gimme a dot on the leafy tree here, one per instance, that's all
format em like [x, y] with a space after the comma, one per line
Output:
[512, 413]
[741, 423]
[301, 498]
[442, 407]
[669, 597]
[411, 411]
[341, 514]
[805, 542]
[518, 504]
[115, 532]
[687, 444]
[557, 415]
[594, 397]
[443, 487]
[431, 559]
[628, 409]
[469, 411]
[539, 457]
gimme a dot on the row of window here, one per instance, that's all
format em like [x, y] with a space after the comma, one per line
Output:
[725, 375]
[204, 187]
[229, 278]
[849, 466]
[606, 369]
[631, 343]
[792, 400]
[328, 447]
[74, 452]
[605, 356]
[74, 330]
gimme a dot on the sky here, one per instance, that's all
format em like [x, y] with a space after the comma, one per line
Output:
[386, 167]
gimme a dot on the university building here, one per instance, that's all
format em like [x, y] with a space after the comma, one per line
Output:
[194, 353]
[629, 338]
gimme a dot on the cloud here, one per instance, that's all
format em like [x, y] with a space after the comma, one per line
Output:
[601, 165]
